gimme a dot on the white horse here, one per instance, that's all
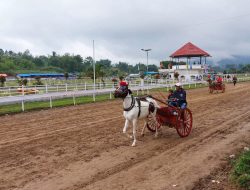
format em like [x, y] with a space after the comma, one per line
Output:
[135, 109]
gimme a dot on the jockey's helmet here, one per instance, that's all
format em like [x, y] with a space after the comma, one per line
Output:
[178, 84]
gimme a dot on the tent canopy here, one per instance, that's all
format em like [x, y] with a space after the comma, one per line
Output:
[189, 50]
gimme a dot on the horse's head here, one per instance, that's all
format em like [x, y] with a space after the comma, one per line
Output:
[122, 92]
[209, 80]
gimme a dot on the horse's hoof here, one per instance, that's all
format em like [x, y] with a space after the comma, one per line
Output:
[133, 145]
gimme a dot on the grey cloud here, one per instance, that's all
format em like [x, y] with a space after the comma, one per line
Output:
[122, 27]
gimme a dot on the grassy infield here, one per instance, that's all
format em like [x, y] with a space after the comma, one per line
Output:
[241, 167]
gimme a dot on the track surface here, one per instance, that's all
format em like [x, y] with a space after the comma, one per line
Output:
[83, 147]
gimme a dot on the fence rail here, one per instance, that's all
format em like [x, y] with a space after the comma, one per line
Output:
[84, 91]
[44, 89]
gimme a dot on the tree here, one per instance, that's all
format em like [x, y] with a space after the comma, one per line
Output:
[2, 80]
[25, 82]
[38, 81]
[66, 75]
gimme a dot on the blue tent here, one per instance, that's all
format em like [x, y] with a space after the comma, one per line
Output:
[42, 75]
[151, 73]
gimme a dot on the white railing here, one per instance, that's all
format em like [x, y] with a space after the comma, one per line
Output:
[53, 93]
[50, 97]
[45, 89]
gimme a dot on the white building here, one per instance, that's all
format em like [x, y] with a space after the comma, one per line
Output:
[185, 73]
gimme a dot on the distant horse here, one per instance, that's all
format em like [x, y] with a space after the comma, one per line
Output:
[216, 86]
[135, 108]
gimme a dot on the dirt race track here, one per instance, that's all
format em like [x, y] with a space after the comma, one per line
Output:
[83, 147]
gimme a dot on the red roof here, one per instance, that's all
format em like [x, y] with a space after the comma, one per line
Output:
[189, 50]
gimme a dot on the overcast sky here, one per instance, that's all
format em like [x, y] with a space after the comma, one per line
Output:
[121, 28]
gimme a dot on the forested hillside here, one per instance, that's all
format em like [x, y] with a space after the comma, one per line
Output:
[22, 62]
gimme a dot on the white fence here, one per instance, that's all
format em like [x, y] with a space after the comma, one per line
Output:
[52, 93]
[44, 89]
[138, 90]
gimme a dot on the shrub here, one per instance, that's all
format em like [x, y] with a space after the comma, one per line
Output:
[2, 80]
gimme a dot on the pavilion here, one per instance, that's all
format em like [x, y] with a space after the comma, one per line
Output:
[193, 66]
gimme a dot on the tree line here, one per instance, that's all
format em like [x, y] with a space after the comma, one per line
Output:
[13, 63]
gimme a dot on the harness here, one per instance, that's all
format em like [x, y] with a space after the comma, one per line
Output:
[138, 100]
[133, 105]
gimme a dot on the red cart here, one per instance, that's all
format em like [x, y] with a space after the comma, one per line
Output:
[216, 86]
[173, 117]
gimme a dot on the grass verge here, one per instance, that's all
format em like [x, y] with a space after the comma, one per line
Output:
[29, 106]
[241, 170]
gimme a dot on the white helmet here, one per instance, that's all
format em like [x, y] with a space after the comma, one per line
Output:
[178, 84]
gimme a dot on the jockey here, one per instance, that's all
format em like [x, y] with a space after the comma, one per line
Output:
[179, 97]
[219, 80]
[122, 82]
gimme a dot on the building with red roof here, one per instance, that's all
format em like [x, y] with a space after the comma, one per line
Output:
[189, 50]
[189, 61]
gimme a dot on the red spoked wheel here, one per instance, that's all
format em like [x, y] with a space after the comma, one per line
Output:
[153, 123]
[184, 123]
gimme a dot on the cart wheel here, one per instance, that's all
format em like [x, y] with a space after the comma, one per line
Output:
[152, 123]
[184, 123]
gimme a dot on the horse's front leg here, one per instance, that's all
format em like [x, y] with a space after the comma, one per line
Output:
[126, 127]
[134, 131]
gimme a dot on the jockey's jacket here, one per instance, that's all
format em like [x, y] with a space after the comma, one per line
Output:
[123, 83]
[180, 95]
[219, 80]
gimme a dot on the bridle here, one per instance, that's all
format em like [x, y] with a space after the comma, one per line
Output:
[122, 92]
